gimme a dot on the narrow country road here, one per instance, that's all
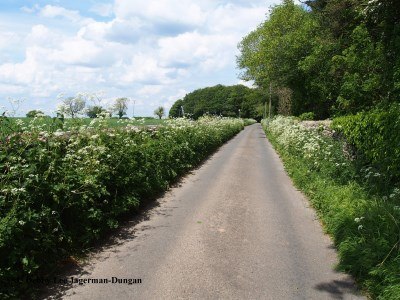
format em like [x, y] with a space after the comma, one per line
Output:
[236, 228]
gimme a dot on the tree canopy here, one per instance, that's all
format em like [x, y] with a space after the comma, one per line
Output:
[159, 112]
[220, 100]
[328, 57]
[120, 106]
[34, 113]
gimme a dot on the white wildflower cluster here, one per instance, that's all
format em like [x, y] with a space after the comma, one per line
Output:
[58, 133]
[17, 191]
[395, 194]
[370, 173]
[309, 143]
[87, 149]
[358, 221]
[371, 7]
[19, 122]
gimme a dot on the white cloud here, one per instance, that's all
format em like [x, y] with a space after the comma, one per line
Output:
[77, 51]
[174, 11]
[146, 70]
[42, 35]
[30, 10]
[235, 19]
[51, 11]
[11, 89]
[207, 51]
[246, 83]
[154, 51]
[150, 90]
[8, 39]
[95, 30]
[19, 73]
[163, 17]
[102, 9]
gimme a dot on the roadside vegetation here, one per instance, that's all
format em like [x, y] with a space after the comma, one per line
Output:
[63, 188]
[338, 60]
[354, 196]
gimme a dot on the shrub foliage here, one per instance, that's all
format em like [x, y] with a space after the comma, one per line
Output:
[61, 190]
[363, 221]
[376, 136]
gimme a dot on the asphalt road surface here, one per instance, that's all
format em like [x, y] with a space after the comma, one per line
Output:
[235, 228]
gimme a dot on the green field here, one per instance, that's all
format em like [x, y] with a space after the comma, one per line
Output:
[112, 121]
[12, 125]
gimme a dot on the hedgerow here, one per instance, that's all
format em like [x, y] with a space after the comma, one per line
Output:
[62, 190]
[363, 222]
[376, 137]
[248, 122]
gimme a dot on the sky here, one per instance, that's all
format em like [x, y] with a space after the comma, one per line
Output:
[153, 52]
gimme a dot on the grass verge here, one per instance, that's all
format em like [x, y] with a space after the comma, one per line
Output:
[364, 224]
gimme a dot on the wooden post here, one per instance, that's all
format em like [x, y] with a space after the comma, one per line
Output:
[270, 100]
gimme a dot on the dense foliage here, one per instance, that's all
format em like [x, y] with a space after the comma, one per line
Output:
[328, 57]
[227, 101]
[159, 112]
[376, 137]
[363, 221]
[34, 113]
[96, 110]
[62, 189]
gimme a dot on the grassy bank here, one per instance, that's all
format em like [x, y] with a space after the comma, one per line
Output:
[362, 220]
[61, 190]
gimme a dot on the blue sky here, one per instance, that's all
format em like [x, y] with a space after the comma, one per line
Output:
[152, 51]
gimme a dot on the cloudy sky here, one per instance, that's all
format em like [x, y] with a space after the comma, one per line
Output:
[153, 51]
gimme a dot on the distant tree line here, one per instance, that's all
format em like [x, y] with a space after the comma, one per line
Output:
[327, 57]
[78, 106]
[227, 101]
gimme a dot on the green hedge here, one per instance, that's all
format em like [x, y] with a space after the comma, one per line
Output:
[376, 136]
[248, 122]
[363, 222]
[60, 191]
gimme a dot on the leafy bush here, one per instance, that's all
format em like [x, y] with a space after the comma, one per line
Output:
[376, 136]
[248, 122]
[307, 116]
[61, 190]
[364, 225]
[94, 111]
[34, 113]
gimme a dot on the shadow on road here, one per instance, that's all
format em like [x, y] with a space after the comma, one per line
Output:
[337, 289]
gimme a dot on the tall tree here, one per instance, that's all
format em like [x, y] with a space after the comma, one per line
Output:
[271, 53]
[159, 112]
[120, 106]
[73, 106]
